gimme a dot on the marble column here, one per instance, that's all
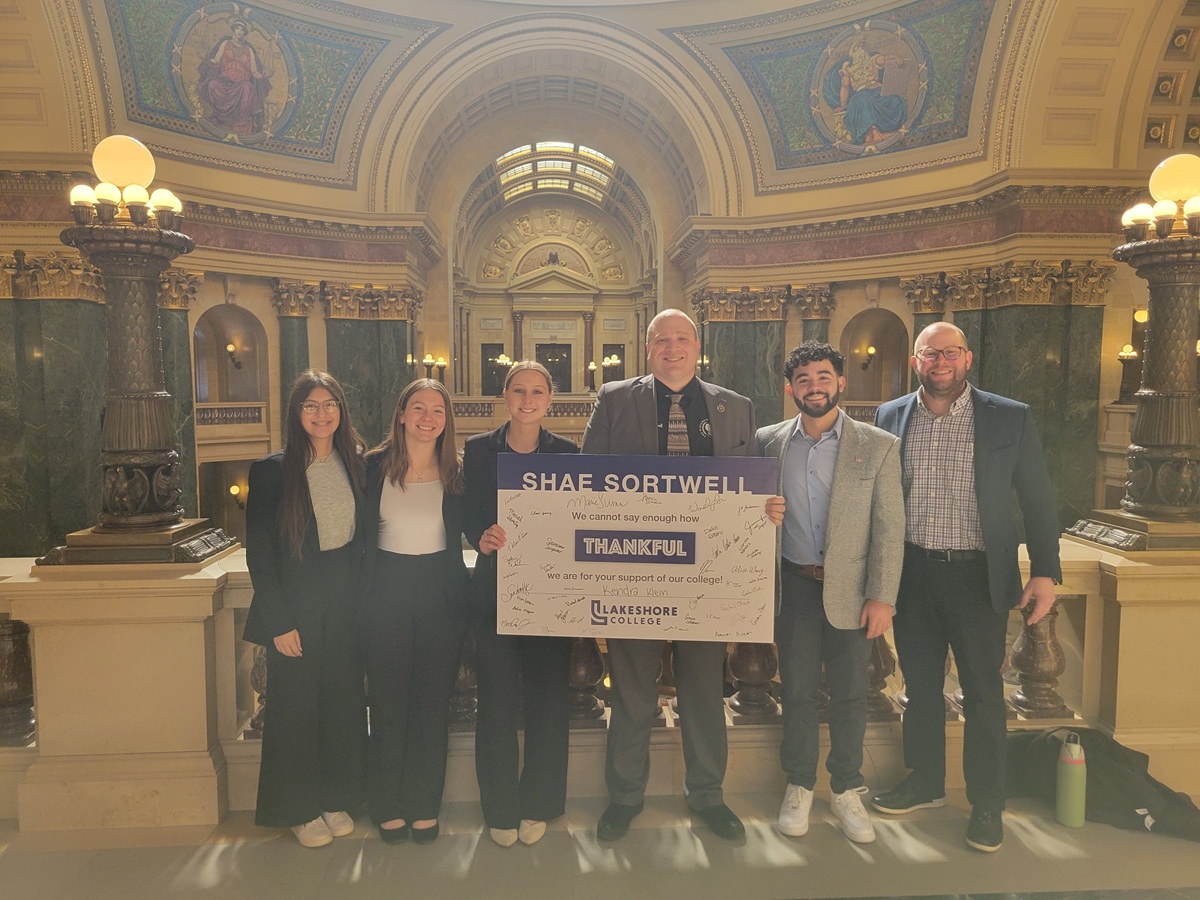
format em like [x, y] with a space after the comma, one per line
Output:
[53, 347]
[293, 301]
[176, 291]
[742, 337]
[518, 338]
[369, 340]
[589, 337]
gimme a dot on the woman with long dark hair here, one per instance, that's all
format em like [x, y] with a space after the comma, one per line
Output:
[510, 669]
[415, 614]
[304, 548]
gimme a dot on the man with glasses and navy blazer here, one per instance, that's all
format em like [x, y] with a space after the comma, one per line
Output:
[963, 453]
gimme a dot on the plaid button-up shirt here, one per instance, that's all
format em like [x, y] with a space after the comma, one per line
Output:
[941, 511]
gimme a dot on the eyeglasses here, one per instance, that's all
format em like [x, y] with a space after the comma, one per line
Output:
[310, 407]
[951, 353]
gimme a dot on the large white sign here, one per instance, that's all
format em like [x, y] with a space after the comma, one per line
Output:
[636, 547]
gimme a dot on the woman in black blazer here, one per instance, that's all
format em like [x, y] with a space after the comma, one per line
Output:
[512, 668]
[415, 614]
[304, 543]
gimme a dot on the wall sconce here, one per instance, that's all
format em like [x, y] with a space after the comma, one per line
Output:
[870, 358]
[428, 362]
[237, 363]
[441, 367]
[235, 491]
[503, 360]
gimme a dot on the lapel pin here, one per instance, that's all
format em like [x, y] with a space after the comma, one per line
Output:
[720, 407]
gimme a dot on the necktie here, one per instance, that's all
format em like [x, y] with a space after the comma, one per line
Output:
[677, 433]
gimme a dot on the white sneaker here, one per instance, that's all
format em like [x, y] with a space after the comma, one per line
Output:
[339, 823]
[851, 815]
[505, 837]
[313, 834]
[793, 814]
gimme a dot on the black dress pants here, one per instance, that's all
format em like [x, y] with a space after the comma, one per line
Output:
[940, 605]
[412, 636]
[515, 673]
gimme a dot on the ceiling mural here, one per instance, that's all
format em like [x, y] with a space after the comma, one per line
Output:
[899, 80]
[251, 76]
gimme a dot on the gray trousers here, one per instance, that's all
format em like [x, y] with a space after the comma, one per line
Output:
[699, 682]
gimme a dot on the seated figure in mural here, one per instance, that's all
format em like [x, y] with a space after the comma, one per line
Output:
[855, 89]
[233, 82]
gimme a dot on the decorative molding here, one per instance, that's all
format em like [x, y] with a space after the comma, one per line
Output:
[745, 305]
[705, 234]
[229, 415]
[814, 301]
[1108, 535]
[1011, 284]
[52, 277]
[343, 301]
[294, 298]
[177, 288]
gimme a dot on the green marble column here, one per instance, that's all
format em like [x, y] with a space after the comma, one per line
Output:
[293, 301]
[293, 354]
[369, 341]
[747, 357]
[53, 351]
[816, 330]
[921, 321]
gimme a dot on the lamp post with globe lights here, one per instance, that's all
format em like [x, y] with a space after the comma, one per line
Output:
[131, 235]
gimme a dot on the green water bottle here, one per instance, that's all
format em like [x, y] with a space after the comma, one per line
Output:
[1070, 796]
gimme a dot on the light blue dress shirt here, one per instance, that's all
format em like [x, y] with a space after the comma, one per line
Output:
[807, 485]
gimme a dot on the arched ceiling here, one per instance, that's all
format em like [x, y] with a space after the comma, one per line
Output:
[715, 110]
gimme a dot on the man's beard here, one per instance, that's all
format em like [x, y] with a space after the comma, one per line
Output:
[816, 412]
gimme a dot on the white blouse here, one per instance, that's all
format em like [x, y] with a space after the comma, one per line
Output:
[410, 520]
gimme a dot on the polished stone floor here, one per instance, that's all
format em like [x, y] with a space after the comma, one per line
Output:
[665, 855]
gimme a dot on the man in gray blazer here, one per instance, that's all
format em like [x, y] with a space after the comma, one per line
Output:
[647, 415]
[841, 551]
[965, 453]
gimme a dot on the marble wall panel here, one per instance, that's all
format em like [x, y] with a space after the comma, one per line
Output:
[293, 354]
[747, 357]
[353, 354]
[52, 380]
[177, 368]
[816, 330]
[370, 359]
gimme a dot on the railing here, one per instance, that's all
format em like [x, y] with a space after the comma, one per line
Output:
[230, 413]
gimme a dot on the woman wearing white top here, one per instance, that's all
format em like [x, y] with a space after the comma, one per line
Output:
[415, 615]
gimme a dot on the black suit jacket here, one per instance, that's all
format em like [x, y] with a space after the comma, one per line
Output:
[479, 471]
[280, 581]
[1008, 457]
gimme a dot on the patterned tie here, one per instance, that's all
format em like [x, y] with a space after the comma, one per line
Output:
[677, 433]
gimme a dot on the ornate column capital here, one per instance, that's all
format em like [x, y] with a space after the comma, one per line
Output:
[1048, 284]
[926, 293]
[744, 305]
[344, 301]
[294, 299]
[814, 301]
[177, 288]
[52, 277]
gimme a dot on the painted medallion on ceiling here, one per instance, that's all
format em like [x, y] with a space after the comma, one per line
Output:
[254, 77]
[901, 80]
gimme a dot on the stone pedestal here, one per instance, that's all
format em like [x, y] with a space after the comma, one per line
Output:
[125, 691]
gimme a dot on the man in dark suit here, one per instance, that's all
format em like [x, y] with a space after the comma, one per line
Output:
[964, 451]
[648, 415]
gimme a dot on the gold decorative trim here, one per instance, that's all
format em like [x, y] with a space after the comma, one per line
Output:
[814, 301]
[745, 305]
[177, 288]
[294, 299]
[1011, 284]
[343, 301]
[52, 277]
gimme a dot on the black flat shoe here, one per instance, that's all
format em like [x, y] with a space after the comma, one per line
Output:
[722, 820]
[614, 822]
[395, 835]
[426, 835]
